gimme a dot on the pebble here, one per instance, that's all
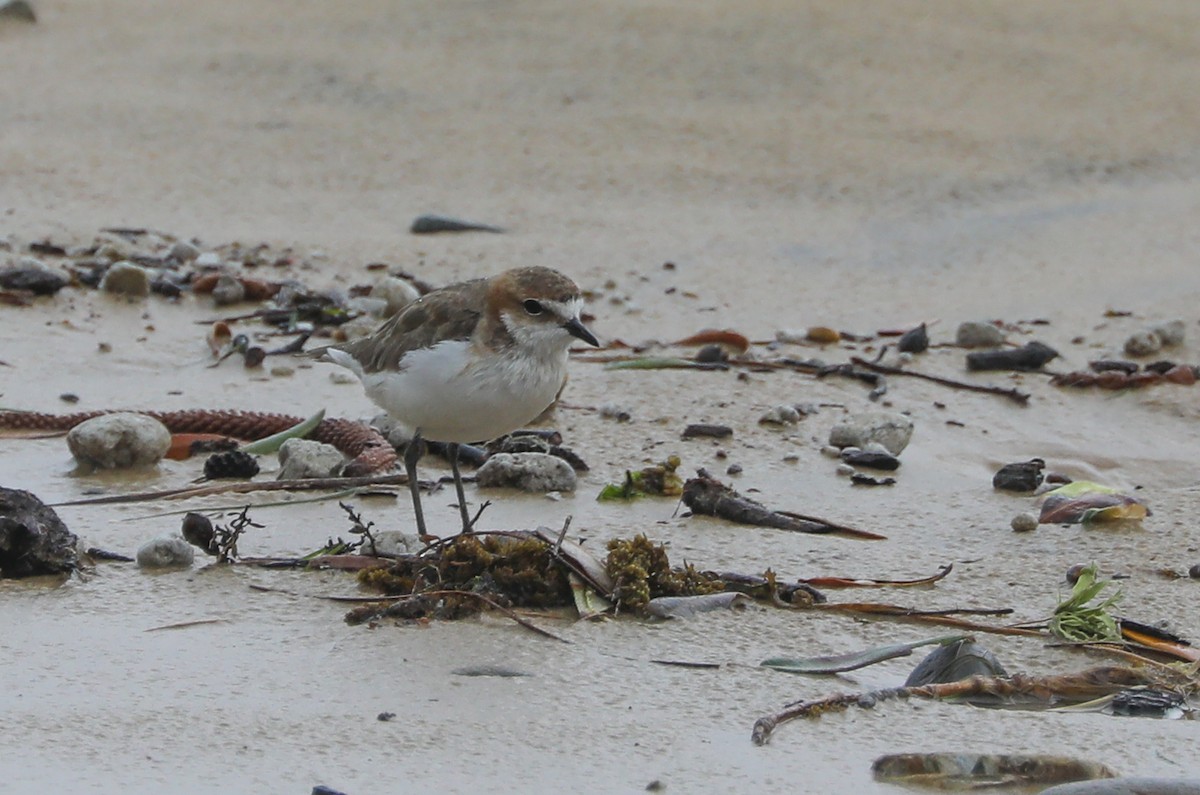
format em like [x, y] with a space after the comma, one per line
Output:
[780, 415]
[707, 430]
[283, 371]
[369, 305]
[340, 377]
[301, 459]
[228, 290]
[890, 429]
[166, 552]
[914, 340]
[791, 336]
[117, 441]
[396, 293]
[19, 10]
[183, 251]
[845, 470]
[615, 411]
[1143, 343]
[829, 451]
[30, 274]
[209, 259]
[972, 334]
[125, 278]
[393, 543]
[734, 469]
[1171, 333]
[532, 472]
[1194, 572]
[885, 461]
[1021, 477]
[1024, 523]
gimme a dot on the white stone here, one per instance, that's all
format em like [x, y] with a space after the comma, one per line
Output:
[125, 278]
[300, 459]
[116, 441]
[533, 472]
[397, 293]
[890, 429]
[165, 552]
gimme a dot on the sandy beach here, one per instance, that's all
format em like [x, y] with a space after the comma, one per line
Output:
[857, 165]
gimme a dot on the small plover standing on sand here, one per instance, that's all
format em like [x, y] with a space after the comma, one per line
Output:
[470, 362]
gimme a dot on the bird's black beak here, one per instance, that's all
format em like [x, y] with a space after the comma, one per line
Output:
[576, 329]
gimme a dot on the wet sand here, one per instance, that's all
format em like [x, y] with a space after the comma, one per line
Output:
[862, 166]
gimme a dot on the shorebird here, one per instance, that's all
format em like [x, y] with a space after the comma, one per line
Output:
[469, 362]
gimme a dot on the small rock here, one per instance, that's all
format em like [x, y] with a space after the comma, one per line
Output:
[1024, 523]
[791, 336]
[283, 371]
[978, 335]
[302, 459]
[1171, 333]
[875, 448]
[532, 472]
[368, 306]
[1073, 573]
[198, 531]
[166, 552]
[780, 415]
[885, 461]
[342, 377]
[209, 259]
[396, 293]
[33, 540]
[829, 451]
[1194, 572]
[614, 411]
[890, 429]
[125, 278]
[20, 10]
[791, 458]
[706, 430]
[435, 224]
[914, 340]
[1143, 343]
[228, 290]
[30, 274]
[1021, 477]
[116, 441]
[845, 470]
[734, 469]
[393, 543]
[183, 251]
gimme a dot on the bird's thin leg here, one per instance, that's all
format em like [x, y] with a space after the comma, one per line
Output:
[412, 454]
[452, 454]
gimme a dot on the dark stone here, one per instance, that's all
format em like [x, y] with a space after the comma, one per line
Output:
[1032, 356]
[435, 224]
[700, 429]
[1021, 477]
[884, 461]
[1105, 365]
[38, 281]
[914, 340]
[33, 540]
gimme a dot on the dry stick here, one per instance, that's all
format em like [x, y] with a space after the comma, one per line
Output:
[941, 617]
[1012, 394]
[188, 492]
[1085, 685]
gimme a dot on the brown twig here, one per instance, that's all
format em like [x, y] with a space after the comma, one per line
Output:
[1012, 394]
[307, 484]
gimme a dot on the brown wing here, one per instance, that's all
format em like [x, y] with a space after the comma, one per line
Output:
[451, 313]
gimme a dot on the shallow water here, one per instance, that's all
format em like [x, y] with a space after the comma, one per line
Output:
[862, 168]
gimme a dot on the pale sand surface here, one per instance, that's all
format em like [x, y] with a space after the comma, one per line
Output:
[861, 165]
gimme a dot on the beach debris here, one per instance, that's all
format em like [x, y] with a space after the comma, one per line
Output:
[1084, 617]
[1015, 690]
[304, 458]
[859, 582]
[698, 430]
[708, 496]
[1085, 502]
[1024, 522]
[1143, 343]
[532, 472]
[662, 363]
[33, 539]
[185, 445]
[119, 441]
[1031, 356]
[168, 552]
[616, 411]
[1109, 375]
[1014, 395]
[657, 479]
[852, 661]
[1172, 333]
[395, 292]
[272, 444]
[822, 335]
[531, 441]
[437, 224]
[490, 670]
[859, 479]
[766, 587]
[641, 571]
[914, 340]
[731, 342]
[890, 429]
[967, 771]
[1021, 477]
[954, 661]
[690, 606]
[972, 334]
[230, 464]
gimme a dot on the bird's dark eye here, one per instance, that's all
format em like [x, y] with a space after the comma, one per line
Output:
[533, 307]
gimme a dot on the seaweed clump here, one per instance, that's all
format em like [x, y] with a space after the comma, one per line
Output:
[641, 571]
[466, 573]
